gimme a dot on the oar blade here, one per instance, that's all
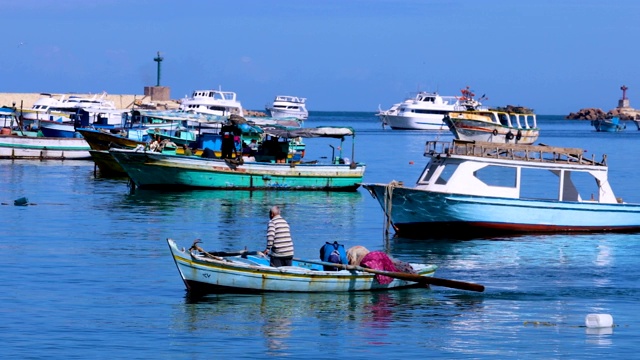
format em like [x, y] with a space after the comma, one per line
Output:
[454, 284]
[430, 280]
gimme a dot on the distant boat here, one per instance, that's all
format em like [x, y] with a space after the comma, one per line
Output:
[473, 122]
[18, 143]
[61, 109]
[609, 125]
[17, 146]
[285, 106]
[47, 107]
[494, 125]
[424, 111]
[212, 102]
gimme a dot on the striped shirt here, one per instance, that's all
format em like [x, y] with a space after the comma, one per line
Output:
[279, 242]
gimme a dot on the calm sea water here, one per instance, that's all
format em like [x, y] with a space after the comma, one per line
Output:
[87, 272]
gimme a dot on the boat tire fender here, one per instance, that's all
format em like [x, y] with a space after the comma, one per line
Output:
[495, 132]
[509, 135]
[519, 135]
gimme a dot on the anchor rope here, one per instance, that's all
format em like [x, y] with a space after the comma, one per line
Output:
[388, 203]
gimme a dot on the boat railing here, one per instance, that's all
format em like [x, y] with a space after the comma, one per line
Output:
[533, 153]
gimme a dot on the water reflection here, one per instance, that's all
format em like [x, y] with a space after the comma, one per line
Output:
[228, 220]
[285, 321]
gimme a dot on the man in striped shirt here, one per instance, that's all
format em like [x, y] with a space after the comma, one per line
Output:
[279, 242]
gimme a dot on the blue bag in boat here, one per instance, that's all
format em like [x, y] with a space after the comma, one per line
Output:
[333, 253]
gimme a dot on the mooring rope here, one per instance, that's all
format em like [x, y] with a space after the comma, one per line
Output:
[388, 203]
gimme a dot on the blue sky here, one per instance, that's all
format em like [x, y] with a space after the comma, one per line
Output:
[342, 55]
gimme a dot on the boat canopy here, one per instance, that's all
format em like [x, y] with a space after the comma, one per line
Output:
[323, 131]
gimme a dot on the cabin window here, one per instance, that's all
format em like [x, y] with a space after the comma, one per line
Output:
[436, 112]
[585, 184]
[445, 175]
[503, 119]
[545, 185]
[500, 176]
[537, 184]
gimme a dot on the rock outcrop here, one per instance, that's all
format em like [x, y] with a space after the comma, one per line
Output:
[595, 113]
[587, 114]
[625, 113]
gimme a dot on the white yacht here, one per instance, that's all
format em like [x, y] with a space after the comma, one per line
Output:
[59, 110]
[45, 108]
[285, 106]
[382, 114]
[425, 111]
[212, 102]
[92, 104]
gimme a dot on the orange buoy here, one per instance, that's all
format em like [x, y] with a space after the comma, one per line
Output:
[410, 162]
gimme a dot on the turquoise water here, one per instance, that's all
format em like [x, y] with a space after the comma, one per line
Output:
[87, 272]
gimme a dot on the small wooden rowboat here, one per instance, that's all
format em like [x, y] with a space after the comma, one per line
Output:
[218, 272]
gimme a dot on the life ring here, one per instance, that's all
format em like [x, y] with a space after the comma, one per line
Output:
[519, 135]
[495, 132]
[509, 135]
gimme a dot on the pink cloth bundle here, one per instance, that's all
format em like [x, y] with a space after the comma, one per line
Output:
[379, 260]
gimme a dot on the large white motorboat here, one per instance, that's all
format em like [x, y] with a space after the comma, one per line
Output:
[60, 110]
[45, 108]
[382, 114]
[285, 106]
[424, 111]
[212, 102]
[92, 104]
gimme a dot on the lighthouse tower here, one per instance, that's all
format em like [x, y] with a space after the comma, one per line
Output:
[624, 102]
[158, 93]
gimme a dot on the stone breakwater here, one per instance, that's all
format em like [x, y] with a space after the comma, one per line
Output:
[121, 101]
[595, 114]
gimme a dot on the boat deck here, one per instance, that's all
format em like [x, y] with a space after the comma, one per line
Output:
[520, 152]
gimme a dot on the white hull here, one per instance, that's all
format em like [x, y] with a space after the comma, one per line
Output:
[42, 148]
[285, 106]
[30, 116]
[212, 102]
[426, 122]
[425, 111]
[279, 114]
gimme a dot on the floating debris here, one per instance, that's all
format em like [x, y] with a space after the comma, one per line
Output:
[598, 321]
[539, 323]
[23, 201]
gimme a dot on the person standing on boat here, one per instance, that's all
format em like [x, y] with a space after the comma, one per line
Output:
[229, 131]
[279, 242]
[253, 145]
[187, 150]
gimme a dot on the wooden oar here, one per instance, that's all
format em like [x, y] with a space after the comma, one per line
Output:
[425, 280]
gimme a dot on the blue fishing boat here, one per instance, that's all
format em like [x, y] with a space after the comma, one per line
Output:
[269, 169]
[476, 188]
[609, 125]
